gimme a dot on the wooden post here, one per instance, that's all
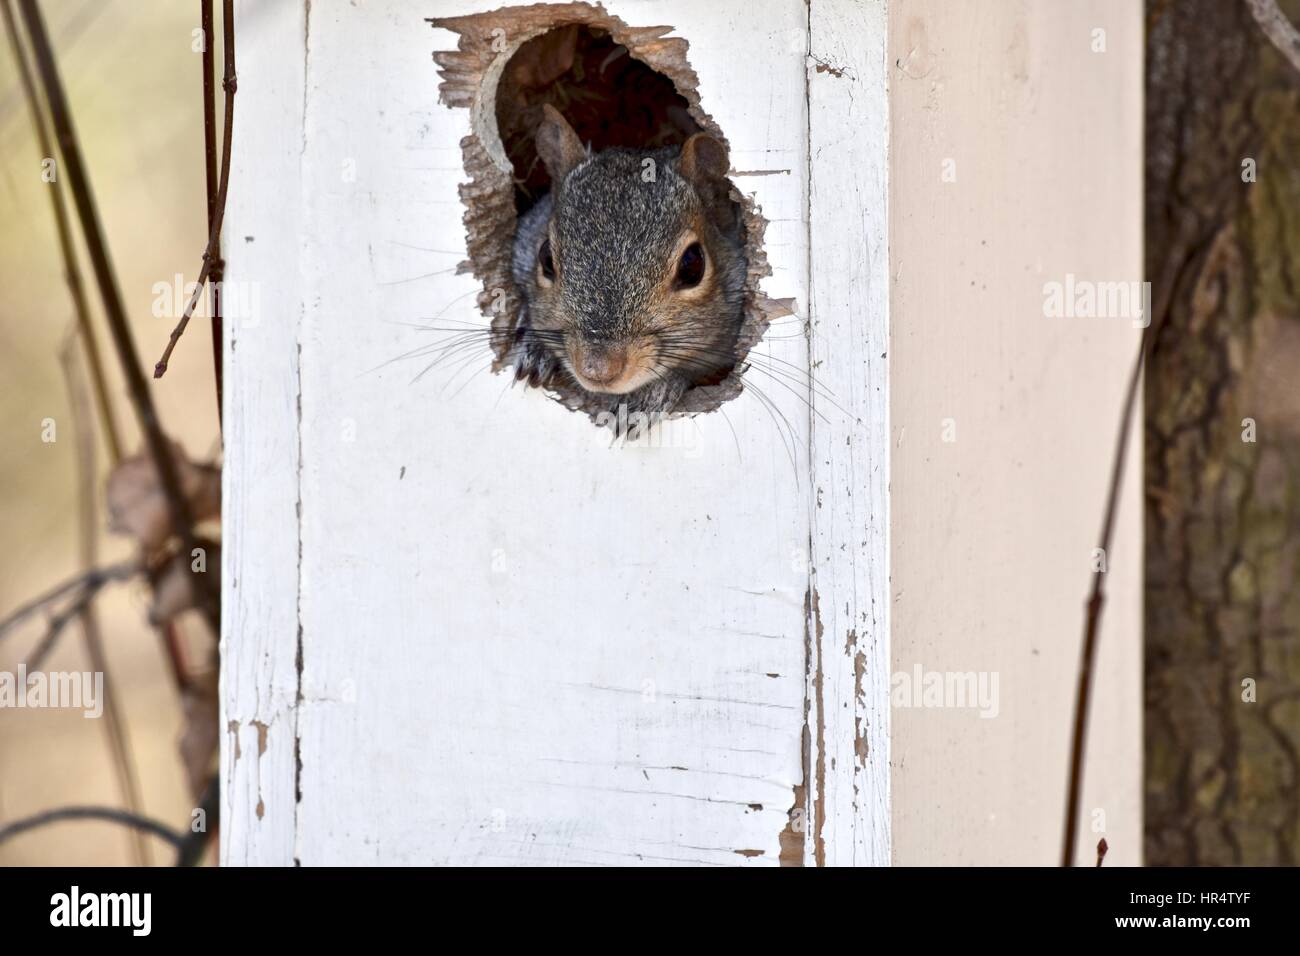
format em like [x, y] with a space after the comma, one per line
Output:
[463, 628]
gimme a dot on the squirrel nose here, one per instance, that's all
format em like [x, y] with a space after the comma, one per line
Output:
[602, 366]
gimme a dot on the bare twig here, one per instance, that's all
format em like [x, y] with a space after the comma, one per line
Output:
[91, 581]
[71, 270]
[1281, 32]
[211, 252]
[87, 212]
[1187, 254]
[210, 176]
[107, 814]
[114, 725]
[54, 628]
[1096, 600]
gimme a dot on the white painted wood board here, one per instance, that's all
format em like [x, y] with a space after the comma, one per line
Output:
[849, 308]
[993, 531]
[469, 630]
[260, 559]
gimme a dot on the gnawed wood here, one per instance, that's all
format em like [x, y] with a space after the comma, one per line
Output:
[471, 77]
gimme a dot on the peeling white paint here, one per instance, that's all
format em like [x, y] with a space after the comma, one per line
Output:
[519, 645]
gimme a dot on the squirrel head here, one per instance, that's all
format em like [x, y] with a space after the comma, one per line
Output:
[637, 277]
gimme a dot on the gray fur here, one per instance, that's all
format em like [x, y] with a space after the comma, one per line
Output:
[614, 234]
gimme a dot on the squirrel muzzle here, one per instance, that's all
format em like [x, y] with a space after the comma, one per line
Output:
[612, 369]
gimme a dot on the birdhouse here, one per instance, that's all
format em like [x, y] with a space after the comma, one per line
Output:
[822, 609]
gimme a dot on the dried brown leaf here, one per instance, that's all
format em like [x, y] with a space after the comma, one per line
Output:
[137, 505]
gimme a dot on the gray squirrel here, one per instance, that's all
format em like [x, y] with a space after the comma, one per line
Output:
[632, 269]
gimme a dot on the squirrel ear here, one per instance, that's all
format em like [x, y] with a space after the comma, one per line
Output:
[703, 159]
[558, 145]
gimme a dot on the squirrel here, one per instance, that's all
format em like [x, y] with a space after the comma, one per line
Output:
[632, 271]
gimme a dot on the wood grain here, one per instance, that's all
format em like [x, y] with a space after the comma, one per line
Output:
[518, 644]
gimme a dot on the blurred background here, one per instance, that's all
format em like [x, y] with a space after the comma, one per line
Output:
[134, 82]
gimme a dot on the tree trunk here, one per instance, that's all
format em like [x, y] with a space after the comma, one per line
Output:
[1222, 448]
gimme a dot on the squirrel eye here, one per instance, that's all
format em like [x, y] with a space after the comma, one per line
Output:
[544, 259]
[690, 269]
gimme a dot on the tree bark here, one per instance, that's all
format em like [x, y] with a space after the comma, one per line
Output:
[1222, 686]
